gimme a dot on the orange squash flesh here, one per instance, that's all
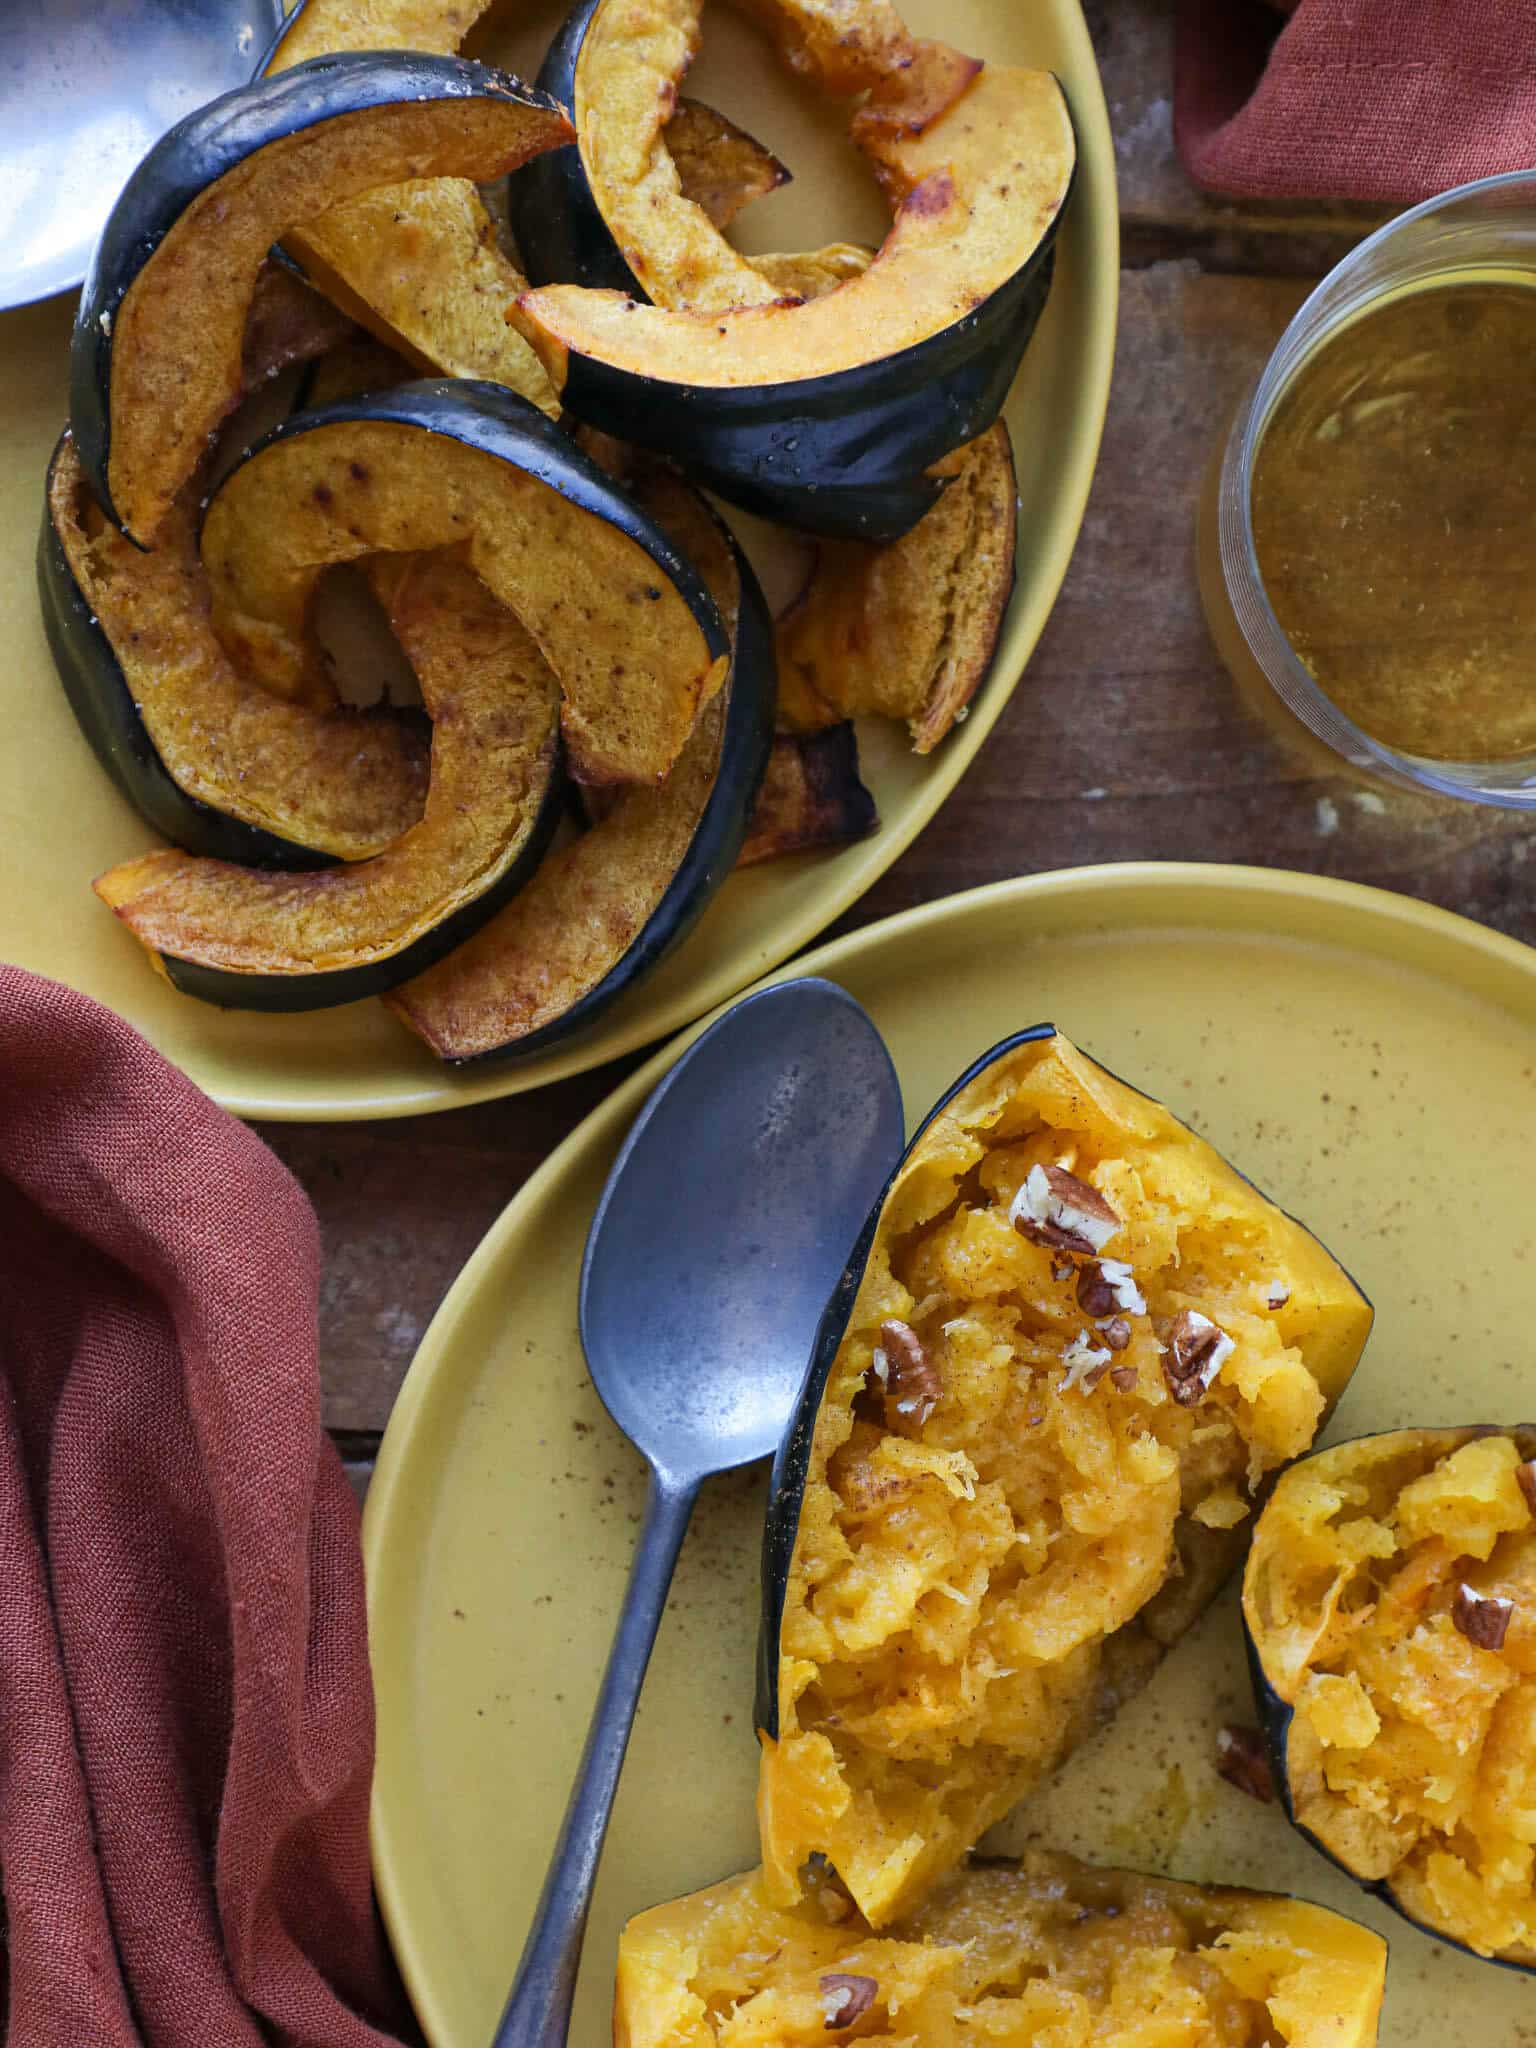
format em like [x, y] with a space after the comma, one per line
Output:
[978, 1580]
[979, 187]
[1372, 1598]
[1050, 1951]
[495, 709]
[719, 166]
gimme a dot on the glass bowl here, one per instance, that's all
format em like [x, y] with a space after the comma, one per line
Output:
[1485, 229]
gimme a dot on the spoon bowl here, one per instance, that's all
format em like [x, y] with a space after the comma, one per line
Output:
[723, 1227]
[725, 1223]
[86, 86]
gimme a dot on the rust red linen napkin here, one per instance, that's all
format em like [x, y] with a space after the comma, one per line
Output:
[1382, 100]
[186, 1721]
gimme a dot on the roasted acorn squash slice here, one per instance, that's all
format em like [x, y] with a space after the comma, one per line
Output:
[236, 936]
[417, 263]
[207, 756]
[908, 630]
[800, 406]
[603, 910]
[1390, 1606]
[702, 164]
[1003, 1956]
[1069, 1347]
[155, 360]
[620, 615]
[811, 796]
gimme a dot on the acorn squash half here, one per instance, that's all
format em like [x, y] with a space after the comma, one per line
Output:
[1002, 1956]
[208, 757]
[1069, 1348]
[603, 910]
[1389, 1602]
[155, 358]
[620, 615]
[251, 940]
[804, 404]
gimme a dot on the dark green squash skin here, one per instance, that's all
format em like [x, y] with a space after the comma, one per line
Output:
[841, 455]
[104, 709]
[199, 150]
[495, 421]
[718, 838]
[1275, 1715]
[786, 1489]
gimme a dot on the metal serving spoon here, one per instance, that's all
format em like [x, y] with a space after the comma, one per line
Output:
[85, 87]
[724, 1226]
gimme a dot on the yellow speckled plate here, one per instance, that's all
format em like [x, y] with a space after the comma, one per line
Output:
[1367, 1059]
[62, 822]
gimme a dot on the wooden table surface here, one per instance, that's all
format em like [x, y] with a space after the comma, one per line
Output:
[1124, 739]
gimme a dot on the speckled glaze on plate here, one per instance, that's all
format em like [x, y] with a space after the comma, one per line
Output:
[64, 822]
[1367, 1059]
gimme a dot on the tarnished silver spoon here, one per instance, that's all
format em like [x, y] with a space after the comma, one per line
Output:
[725, 1223]
[85, 87]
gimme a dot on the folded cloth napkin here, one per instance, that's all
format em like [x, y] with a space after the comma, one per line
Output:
[1382, 100]
[186, 1723]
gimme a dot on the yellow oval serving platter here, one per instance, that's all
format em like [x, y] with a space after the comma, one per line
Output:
[1367, 1059]
[63, 822]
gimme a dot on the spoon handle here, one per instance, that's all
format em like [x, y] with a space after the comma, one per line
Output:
[538, 2012]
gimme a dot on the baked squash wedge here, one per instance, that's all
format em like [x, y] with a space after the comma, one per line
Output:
[908, 630]
[683, 162]
[620, 616]
[867, 385]
[155, 359]
[206, 756]
[417, 263]
[250, 940]
[1069, 1348]
[604, 909]
[1390, 1607]
[811, 796]
[1048, 1950]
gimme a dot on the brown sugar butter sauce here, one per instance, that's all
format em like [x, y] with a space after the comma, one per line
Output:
[1394, 519]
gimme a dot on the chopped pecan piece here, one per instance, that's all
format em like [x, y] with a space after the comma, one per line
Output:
[1095, 1296]
[1055, 1208]
[1526, 1475]
[1124, 1377]
[1278, 1294]
[1116, 1333]
[912, 1383]
[1195, 1352]
[1121, 1280]
[1062, 1268]
[1483, 1618]
[1242, 1760]
[845, 1999]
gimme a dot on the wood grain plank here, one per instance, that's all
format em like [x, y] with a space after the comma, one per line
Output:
[1125, 740]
